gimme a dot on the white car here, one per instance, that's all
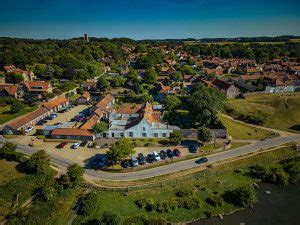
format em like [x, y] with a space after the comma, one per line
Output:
[134, 161]
[28, 129]
[76, 145]
[156, 156]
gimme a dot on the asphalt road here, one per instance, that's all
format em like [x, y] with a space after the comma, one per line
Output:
[62, 163]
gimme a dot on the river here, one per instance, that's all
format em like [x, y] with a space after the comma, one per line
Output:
[281, 207]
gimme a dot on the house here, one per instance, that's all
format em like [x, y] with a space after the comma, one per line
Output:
[88, 125]
[167, 70]
[84, 98]
[56, 104]
[228, 89]
[10, 90]
[73, 133]
[137, 121]
[27, 75]
[15, 126]
[105, 105]
[88, 85]
[35, 89]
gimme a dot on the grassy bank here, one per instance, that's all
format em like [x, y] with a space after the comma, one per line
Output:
[280, 111]
[219, 180]
[242, 131]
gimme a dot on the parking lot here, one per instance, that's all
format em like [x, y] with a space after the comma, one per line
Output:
[83, 155]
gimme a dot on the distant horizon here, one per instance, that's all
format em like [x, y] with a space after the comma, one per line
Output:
[148, 19]
[151, 39]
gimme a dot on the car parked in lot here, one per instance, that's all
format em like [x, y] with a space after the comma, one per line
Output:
[170, 153]
[62, 144]
[202, 160]
[134, 162]
[156, 156]
[53, 115]
[141, 159]
[28, 129]
[48, 118]
[125, 164]
[150, 158]
[41, 122]
[163, 154]
[102, 161]
[177, 153]
[76, 145]
[84, 143]
[194, 148]
[57, 124]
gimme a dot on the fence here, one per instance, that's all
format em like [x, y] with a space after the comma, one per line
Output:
[204, 174]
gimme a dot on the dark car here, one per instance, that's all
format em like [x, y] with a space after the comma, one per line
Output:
[62, 144]
[141, 159]
[41, 122]
[202, 160]
[56, 124]
[170, 153]
[194, 148]
[84, 143]
[177, 153]
[163, 154]
[125, 164]
[150, 158]
[48, 118]
[102, 161]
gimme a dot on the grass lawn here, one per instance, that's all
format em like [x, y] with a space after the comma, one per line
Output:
[241, 131]
[13, 183]
[222, 178]
[74, 97]
[280, 111]
[6, 116]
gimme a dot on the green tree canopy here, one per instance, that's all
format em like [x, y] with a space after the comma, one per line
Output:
[176, 137]
[39, 162]
[75, 174]
[150, 76]
[100, 127]
[204, 134]
[172, 102]
[120, 150]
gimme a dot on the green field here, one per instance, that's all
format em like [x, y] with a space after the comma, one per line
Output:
[280, 111]
[221, 178]
[6, 116]
[242, 131]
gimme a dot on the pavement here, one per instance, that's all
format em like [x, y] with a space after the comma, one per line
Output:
[63, 163]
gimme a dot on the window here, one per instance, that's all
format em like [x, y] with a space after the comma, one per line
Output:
[121, 134]
[144, 134]
[144, 128]
[164, 134]
[112, 134]
[130, 134]
[155, 135]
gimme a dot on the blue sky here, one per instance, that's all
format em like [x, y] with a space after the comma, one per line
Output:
[148, 19]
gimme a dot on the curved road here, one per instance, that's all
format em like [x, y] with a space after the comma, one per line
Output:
[63, 163]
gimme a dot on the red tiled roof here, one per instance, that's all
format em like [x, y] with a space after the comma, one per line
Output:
[86, 95]
[12, 89]
[103, 103]
[37, 85]
[128, 108]
[55, 102]
[71, 132]
[251, 77]
[21, 121]
[90, 122]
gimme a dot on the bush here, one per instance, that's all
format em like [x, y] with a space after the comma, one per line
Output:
[148, 204]
[293, 170]
[111, 219]
[89, 204]
[39, 132]
[190, 202]
[215, 200]
[184, 193]
[243, 196]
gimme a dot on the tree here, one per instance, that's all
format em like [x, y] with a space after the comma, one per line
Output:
[132, 75]
[120, 150]
[204, 134]
[89, 204]
[176, 137]
[176, 76]
[14, 78]
[103, 84]
[150, 76]
[100, 127]
[204, 104]
[39, 162]
[75, 174]
[172, 102]
[244, 196]
[16, 107]
[186, 69]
